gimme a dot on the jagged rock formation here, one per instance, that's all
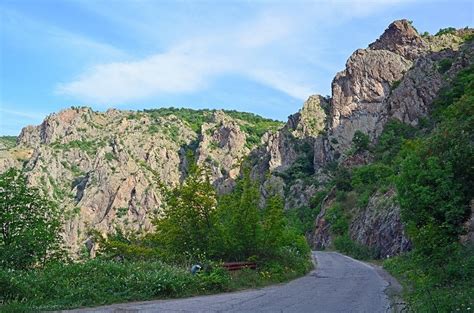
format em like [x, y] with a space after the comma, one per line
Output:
[396, 77]
[104, 167]
[379, 226]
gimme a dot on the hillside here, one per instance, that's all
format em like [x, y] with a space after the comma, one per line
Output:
[104, 167]
[381, 167]
[385, 90]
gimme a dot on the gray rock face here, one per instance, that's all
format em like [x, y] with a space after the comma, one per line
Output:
[396, 77]
[221, 148]
[104, 168]
[413, 97]
[310, 121]
[359, 93]
[379, 226]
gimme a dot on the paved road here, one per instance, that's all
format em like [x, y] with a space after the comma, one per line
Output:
[339, 284]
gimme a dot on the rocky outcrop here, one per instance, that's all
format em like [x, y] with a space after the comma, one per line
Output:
[401, 38]
[358, 95]
[104, 167]
[310, 121]
[396, 77]
[412, 98]
[222, 147]
[378, 226]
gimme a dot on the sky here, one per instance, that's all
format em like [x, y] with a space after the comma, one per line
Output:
[264, 57]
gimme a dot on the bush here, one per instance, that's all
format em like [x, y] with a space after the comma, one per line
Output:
[338, 220]
[444, 65]
[395, 84]
[344, 244]
[96, 282]
[446, 287]
[360, 141]
[370, 177]
[448, 30]
[391, 140]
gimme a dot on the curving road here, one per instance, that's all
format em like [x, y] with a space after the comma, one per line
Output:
[339, 284]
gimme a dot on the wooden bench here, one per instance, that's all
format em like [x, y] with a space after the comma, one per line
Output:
[236, 266]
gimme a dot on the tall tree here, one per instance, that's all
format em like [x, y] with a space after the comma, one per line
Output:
[188, 223]
[29, 223]
[239, 215]
[273, 226]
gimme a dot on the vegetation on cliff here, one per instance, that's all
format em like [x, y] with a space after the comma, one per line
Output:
[430, 167]
[196, 227]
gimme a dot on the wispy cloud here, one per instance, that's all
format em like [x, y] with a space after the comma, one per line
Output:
[39, 33]
[263, 48]
[25, 115]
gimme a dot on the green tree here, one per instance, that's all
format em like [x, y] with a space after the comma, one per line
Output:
[188, 223]
[239, 219]
[29, 223]
[273, 225]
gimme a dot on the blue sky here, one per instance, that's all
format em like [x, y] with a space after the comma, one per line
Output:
[264, 57]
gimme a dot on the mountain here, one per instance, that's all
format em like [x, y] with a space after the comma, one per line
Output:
[104, 167]
[396, 78]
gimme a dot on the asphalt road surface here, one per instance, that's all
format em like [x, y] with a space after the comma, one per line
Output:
[339, 284]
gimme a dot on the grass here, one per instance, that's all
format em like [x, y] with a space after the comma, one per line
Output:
[447, 287]
[100, 282]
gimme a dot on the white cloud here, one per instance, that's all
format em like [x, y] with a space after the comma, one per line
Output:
[262, 49]
[31, 116]
[171, 72]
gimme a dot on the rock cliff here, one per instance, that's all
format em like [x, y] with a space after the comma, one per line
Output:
[396, 77]
[104, 166]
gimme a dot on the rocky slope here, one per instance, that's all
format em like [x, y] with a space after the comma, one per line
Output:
[396, 77]
[103, 167]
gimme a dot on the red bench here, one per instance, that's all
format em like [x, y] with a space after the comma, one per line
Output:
[236, 266]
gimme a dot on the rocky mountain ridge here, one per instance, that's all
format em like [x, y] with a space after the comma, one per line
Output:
[396, 78]
[103, 167]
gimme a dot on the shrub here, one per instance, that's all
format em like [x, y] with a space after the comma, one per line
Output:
[448, 30]
[95, 282]
[444, 65]
[360, 141]
[370, 177]
[338, 220]
[8, 142]
[391, 140]
[395, 84]
[344, 244]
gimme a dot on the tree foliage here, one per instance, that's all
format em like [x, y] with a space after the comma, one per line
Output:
[239, 219]
[29, 223]
[360, 141]
[187, 224]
